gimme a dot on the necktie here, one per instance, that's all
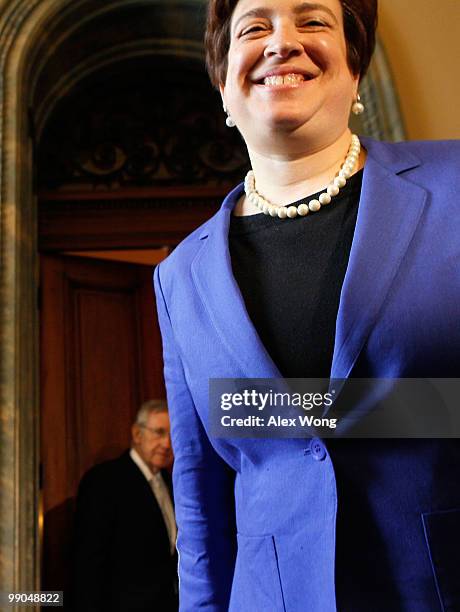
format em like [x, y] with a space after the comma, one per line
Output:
[160, 490]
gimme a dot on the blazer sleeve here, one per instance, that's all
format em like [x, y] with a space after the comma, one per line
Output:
[203, 490]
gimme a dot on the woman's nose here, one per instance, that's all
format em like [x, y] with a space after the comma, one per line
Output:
[283, 43]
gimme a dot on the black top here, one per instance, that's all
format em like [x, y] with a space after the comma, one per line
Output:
[290, 273]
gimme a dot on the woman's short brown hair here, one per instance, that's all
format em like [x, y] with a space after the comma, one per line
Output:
[360, 23]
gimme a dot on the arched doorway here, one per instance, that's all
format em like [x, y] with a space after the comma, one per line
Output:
[129, 162]
[59, 53]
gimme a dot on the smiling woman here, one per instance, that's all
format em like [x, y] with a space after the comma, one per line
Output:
[266, 289]
[290, 69]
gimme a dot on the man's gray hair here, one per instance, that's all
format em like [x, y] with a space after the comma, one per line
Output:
[153, 405]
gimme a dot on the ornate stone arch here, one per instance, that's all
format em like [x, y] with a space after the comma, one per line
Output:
[33, 35]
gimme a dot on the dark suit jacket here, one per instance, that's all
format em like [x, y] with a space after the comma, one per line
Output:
[122, 557]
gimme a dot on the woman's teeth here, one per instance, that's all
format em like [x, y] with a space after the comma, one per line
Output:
[287, 79]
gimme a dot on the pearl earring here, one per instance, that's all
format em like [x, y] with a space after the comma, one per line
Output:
[229, 122]
[358, 106]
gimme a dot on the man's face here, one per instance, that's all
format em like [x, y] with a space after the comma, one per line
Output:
[152, 441]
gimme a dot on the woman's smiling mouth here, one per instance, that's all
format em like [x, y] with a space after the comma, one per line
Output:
[284, 81]
[287, 79]
[284, 77]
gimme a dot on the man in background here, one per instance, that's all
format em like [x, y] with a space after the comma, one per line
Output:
[125, 531]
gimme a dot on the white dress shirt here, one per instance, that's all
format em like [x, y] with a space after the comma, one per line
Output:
[160, 490]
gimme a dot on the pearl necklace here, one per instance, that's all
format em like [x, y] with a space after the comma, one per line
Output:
[283, 212]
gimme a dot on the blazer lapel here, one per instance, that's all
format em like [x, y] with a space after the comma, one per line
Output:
[389, 211]
[220, 294]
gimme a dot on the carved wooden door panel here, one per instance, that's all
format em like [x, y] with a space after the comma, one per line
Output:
[100, 359]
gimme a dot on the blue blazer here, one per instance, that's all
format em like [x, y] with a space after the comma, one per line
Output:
[269, 525]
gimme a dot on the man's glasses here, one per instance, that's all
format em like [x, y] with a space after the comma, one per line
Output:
[159, 432]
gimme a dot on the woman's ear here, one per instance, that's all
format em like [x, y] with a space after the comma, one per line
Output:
[357, 82]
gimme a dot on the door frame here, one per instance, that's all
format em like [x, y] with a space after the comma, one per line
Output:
[24, 28]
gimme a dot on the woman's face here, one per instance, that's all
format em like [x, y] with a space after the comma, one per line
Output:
[287, 69]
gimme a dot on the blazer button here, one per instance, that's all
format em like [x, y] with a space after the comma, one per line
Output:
[317, 449]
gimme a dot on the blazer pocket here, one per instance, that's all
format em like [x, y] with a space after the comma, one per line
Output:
[442, 533]
[256, 583]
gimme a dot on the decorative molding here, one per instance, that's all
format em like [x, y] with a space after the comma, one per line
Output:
[157, 206]
[73, 225]
[18, 323]
[140, 132]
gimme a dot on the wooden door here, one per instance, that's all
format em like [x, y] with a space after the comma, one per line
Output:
[100, 359]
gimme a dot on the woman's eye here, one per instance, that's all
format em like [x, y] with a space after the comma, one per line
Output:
[315, 23]
[251, 29]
